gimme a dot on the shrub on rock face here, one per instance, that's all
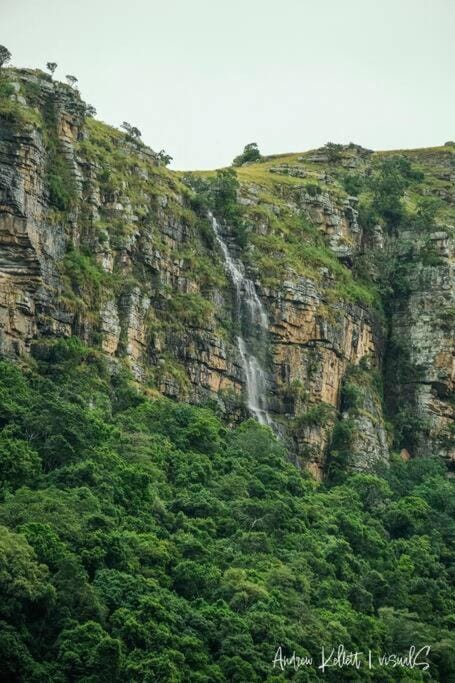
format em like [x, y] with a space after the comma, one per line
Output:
[313, 189]
[353, 184]
[333, 151]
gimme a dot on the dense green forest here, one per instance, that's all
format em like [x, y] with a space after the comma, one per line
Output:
[142, 540]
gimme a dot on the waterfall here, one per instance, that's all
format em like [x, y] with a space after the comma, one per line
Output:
[250, 306]
[256, 384]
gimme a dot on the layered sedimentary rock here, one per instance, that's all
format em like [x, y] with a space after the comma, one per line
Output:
[422, 328]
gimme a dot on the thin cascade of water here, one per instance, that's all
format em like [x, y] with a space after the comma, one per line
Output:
[256, 384]
[249, 302]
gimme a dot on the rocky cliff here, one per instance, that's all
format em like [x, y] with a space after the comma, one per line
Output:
[100, 240]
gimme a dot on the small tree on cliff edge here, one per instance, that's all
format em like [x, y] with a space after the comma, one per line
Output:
[5, 55]
[71, 80]
[51, 66]
[132, 132]
[164, 158]
[250, 153]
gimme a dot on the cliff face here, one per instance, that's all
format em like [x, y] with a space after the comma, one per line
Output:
[420, 367]
[105, 252]
[99, 240]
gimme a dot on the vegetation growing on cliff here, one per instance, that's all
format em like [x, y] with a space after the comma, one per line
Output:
[291, 244]
[83, 281]
[142, 541]
[14, 112]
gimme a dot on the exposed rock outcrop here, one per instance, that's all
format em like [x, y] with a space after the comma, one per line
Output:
[423, 333]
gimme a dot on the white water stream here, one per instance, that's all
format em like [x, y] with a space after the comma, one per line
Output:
[248, 302]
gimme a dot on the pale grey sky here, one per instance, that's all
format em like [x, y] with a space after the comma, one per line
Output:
[201, 78]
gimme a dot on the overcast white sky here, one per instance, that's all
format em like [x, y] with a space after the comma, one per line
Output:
[201, 78]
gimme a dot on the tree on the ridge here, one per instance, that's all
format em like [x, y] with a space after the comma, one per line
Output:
[164, 158]
[250, 153]
[5, 55]
[72, 80]
[131, 131]
[51, 66]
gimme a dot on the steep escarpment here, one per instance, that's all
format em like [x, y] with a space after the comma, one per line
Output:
[101, 241]
[105, 246]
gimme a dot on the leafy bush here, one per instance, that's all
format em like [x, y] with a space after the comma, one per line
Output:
[313, 189]
[334, 151]
[6, 88]
[223, 190]
[317, 415]
[388, 183]
[353, 183]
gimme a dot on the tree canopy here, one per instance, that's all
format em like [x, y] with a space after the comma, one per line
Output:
[250, 153]
[142, 540]
[5, 55]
